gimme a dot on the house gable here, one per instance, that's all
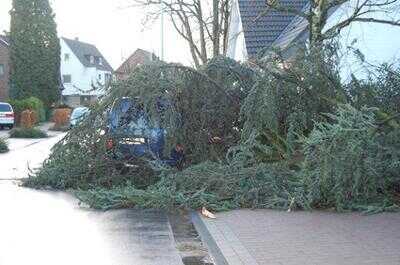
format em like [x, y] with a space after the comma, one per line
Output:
[79, 79]
[88, 55]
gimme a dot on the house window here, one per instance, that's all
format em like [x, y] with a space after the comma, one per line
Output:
[107, 79]
[66, 57]
[2, 70]
[100, 61]
[100, 77]
[91, 59]
[67, 79]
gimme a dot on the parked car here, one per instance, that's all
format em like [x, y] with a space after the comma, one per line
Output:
[6, 116]
[130, 126]
[78, 114]
[132, 135]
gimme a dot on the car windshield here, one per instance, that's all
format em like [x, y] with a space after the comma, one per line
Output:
[129, 117]
[79, 112]
[5, 108]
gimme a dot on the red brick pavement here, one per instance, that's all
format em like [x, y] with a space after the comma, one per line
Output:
[251, 237]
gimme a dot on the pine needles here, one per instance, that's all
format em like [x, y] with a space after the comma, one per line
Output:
[285, 142]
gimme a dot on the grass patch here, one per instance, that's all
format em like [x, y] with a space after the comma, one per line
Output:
[32, 133]
[3, 146]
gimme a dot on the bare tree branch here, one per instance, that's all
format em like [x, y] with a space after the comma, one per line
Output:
[319, 10]
[204, 29]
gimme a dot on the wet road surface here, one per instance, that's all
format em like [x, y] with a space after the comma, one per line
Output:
[25, 155]
[4, 133]
[47, 228]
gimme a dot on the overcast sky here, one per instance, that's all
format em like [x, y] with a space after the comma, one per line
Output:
[117, 31]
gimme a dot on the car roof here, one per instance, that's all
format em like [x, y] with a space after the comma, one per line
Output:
[6, 104]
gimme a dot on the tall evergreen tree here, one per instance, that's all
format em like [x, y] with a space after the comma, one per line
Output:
[35, 51]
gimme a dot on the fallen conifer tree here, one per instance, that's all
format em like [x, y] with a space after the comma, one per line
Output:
[254, 137]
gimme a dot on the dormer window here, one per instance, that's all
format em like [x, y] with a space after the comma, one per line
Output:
[100, 61]
[91, 59]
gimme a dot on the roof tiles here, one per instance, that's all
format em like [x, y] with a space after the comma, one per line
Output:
[262, 25]
[84, 50]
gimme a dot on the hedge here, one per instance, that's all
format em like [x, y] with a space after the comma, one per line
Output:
[31, 103]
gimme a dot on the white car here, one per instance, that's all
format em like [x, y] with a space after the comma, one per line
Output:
[6, 116]
[78, 115]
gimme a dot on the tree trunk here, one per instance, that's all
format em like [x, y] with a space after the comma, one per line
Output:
[216, 30]
[225, 22]
[203, 47]
[318, 20]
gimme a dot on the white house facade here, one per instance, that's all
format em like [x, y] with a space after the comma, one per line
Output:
[253, 31]
[236, 42]
[85, 73]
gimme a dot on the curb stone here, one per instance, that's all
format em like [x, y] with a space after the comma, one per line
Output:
[222, 242]
[208, 240]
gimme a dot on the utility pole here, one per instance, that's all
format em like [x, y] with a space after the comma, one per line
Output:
[162, 30]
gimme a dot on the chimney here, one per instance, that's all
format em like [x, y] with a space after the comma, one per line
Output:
[76, 38]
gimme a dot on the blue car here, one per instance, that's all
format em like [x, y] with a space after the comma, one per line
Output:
[132, 135]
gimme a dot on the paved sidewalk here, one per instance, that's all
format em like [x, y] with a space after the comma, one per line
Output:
[251, 237]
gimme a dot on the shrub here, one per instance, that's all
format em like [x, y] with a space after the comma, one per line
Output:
[3, 146]
[28, 119]
[31, 103]
[31, 133]
[61, 117]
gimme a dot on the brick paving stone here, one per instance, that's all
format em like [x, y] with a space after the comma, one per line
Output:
[263, 237]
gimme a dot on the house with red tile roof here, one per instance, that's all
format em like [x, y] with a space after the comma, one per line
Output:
[139, 57]
[4, 67]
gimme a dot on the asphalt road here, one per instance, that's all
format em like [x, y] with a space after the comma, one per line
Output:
[43, 228]
[25, 155]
